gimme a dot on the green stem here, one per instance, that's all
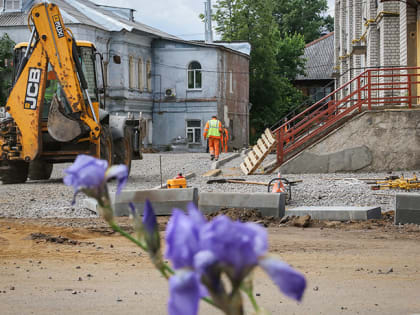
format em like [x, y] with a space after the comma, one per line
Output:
[116, 228]
[252, 299]
[166, 267]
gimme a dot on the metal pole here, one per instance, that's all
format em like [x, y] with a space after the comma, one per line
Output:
[160, 168]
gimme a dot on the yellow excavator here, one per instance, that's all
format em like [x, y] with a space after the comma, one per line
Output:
[55, 110]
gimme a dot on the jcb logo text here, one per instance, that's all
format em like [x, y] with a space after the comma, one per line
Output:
[58, 26]
[32, 89]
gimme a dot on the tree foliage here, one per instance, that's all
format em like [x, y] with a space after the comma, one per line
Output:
[275, 57]
[6, 55]
[306, 17]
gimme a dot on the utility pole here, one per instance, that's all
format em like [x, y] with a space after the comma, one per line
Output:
[208, 28]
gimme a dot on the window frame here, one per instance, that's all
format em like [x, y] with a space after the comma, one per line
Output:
[149, 75]
[193, 131]
[5, 9]
[131, 73]
[140, 74]
[194, 73]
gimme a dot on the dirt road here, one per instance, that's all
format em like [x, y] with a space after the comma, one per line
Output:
[78, 267]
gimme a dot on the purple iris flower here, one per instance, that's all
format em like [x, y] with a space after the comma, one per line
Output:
[205, 248]
[86, 172]
[120, 173]
[182, 241]
[149, 218]
[235, 244]
[91, 174]
[185, 293]
[289, 281]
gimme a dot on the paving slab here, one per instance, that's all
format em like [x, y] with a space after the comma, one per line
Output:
[407, 208]
[212, 173]
[337, 213]
[223, 161]
[163, 200]
[269, 204]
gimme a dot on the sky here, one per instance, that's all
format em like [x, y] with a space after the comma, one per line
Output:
[179, 17]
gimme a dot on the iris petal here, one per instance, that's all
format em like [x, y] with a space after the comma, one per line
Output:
[291, 282]
[184, 293]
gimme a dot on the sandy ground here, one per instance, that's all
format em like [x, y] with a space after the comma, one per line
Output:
[351, 269]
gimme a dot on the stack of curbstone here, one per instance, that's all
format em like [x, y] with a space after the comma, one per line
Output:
[407, 208]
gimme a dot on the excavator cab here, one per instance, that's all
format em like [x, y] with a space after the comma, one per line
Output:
[91, 62]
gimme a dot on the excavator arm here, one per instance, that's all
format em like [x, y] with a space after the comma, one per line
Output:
[50, 42]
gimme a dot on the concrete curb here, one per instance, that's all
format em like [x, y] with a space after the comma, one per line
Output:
[229, 158]
[163, 200]
[269, 204]
[166, 199]
[337, 213]
[407, 208]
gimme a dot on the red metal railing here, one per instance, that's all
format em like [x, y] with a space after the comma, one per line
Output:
[373, 87]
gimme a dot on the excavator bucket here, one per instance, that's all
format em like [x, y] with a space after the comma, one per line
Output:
[60, 126]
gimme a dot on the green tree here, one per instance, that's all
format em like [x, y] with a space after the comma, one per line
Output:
[6, 55]
[275, 58]
[306, 17]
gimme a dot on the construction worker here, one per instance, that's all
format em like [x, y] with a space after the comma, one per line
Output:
[213, 132]
[224, 140]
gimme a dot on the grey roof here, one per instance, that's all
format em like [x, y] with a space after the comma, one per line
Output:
[12, 19]
[320, 59]
[87, 13]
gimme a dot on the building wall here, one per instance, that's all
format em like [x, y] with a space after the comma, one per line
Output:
[387, 30]
[171, 114]
[234, 88]
[224, 92]
[167, 118]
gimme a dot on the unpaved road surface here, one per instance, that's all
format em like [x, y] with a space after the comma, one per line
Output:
[77, 266]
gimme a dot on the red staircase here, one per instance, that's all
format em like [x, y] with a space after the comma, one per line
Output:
[372, 89]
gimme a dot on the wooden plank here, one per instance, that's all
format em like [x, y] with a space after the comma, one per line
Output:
[248, 164]
[251, 156]
[262, 146]
[269, 135]
[257, 151]
[244, 169]
[265, 140]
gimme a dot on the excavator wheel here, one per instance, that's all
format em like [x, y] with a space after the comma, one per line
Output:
[14, 172]
[40, 170]
[122, 149]
[107, 152]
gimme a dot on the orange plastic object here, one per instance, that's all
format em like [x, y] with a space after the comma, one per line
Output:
[177, 183]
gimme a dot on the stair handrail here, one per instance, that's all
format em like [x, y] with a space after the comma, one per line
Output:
[293, 110]
[320, 101]
[363, 74]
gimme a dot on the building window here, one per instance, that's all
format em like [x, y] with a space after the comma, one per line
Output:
[12, 5]
[131, 72]
[149, 75]
[194, 75]
[194, 131]
[140, 74]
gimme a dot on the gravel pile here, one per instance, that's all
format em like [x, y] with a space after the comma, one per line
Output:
[46, 199]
